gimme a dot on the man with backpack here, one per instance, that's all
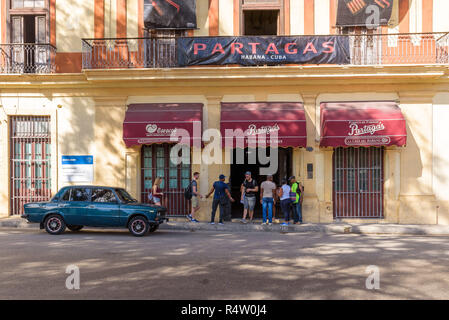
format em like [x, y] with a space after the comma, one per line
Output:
[297, 188]
[192, 194]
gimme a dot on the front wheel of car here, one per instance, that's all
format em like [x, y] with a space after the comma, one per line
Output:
[74, 228]
[138, 226]
[54, 224]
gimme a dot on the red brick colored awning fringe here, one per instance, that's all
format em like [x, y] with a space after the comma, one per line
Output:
[286, 119]
[362, 124]
[154, 122]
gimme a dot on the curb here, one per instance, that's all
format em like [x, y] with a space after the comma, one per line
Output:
[335, 228]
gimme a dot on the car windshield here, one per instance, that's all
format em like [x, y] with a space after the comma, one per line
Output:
[124, 196]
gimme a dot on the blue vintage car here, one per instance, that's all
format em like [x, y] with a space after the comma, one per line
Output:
[77, 206]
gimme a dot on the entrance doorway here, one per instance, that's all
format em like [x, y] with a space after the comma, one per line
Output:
[30, 161]
[358, 182]
[175, 178]
[237, 176]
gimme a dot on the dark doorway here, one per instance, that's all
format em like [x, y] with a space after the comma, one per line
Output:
[237, 176]
[261, 22]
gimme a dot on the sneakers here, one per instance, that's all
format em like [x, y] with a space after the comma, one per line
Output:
[285, 224]
[189, 217]
[211, 222]
[243, 221]
[269, 223]
[221, 223]
[194, 220]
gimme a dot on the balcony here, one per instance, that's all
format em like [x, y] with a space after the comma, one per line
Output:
[27, 58]
[366, 49]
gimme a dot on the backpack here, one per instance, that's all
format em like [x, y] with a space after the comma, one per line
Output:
[188, 193]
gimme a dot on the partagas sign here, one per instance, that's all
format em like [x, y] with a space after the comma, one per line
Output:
[364, 12]
[173, 14]
[254, 50]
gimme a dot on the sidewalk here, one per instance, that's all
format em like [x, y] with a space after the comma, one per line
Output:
[333, 228]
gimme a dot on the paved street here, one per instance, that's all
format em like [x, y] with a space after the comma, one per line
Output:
[255, 265]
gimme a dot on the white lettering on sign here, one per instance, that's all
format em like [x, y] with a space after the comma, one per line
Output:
[253, 130]
[153, 129]
[368, 128]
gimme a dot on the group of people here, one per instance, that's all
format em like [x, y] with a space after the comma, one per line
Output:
[290, 195]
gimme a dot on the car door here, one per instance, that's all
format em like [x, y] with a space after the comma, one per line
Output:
[104, 208]
[74, 205]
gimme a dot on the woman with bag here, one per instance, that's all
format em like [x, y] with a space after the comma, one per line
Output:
[284, 196]
[157, 192]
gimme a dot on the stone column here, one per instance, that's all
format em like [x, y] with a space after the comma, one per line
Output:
[210, 172]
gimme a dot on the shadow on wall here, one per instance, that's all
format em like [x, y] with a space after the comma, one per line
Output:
[84, 129]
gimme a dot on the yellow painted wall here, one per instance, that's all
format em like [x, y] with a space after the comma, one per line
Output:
[74, 21]
[202, 16]
[226, 14]
[440, 20]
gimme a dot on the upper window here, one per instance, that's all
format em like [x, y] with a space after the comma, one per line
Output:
[23, 4]
[262, 17]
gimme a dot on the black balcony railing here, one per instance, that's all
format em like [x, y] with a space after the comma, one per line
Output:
[365, 49]
[27, 58]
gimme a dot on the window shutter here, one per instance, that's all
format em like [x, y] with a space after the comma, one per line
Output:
[17, 29]
[41, 29]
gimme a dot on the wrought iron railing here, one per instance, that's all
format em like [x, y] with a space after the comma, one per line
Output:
[365, 49]
[27, 58]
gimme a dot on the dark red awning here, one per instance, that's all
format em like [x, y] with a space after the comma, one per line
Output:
[287, 119]
[154, 122]
[362, 124]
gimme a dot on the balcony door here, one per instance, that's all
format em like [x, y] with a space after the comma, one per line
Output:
[28, 35]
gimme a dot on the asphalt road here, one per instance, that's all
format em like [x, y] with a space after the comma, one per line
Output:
[205, 265]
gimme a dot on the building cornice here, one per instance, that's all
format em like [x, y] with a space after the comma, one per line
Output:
[231, 76]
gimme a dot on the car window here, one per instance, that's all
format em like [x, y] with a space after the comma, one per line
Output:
[80, 194]
[66, 196]
[103, 195]
[124, 196]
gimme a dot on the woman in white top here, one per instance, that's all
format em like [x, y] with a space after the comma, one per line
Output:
[284, 196]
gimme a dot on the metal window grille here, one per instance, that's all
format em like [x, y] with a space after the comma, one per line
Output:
[175, 178]
[358, 182]
[30, 160]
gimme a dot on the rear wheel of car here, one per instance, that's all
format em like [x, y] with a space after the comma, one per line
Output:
[138, 226]
[74, 228]
[54, 224]
[154, 227]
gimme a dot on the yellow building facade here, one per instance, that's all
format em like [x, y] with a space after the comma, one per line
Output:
[86, 109]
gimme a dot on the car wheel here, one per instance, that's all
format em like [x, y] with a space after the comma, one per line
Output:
[138, 226]
[54, 224]
[154, 227]
[74, 228]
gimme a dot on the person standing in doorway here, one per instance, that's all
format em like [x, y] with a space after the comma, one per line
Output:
[195, 197]
[284, 196]
[267, 194]
[249, 190]
[221, 196]
[157, 192]
[297, 188]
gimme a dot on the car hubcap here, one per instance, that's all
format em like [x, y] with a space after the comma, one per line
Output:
[138, 226]
[54, 224]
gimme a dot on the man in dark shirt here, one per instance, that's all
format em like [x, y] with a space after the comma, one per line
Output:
[249, 190]
[221, 196]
